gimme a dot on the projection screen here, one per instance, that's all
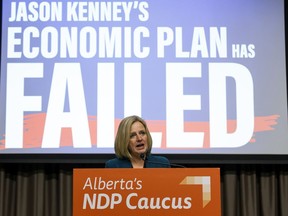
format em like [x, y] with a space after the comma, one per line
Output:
[209, 77]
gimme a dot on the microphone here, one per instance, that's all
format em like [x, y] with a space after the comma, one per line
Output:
[142, 156]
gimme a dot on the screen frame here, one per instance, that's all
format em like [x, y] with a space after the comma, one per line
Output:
[187, 159]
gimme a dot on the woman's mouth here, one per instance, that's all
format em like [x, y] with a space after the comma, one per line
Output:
[139, 145]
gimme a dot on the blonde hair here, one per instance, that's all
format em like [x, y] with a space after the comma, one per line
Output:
[122, 139]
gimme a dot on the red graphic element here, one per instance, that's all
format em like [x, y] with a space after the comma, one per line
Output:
[34, 127]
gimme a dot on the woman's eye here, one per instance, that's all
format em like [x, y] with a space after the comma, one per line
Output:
[142, 133]
[132, 135]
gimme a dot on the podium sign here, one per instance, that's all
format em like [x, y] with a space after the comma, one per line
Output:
[149, 191]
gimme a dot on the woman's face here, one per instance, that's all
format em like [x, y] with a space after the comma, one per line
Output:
[138, 139]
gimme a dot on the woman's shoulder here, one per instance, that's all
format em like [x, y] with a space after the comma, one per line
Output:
[158, 158]
[118, 163]
[157, 161]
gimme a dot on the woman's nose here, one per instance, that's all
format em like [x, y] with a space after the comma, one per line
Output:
[139, 136]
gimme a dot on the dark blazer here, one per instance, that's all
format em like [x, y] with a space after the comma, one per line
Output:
[151, 161]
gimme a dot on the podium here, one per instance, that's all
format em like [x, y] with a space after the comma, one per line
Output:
[149, 191]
